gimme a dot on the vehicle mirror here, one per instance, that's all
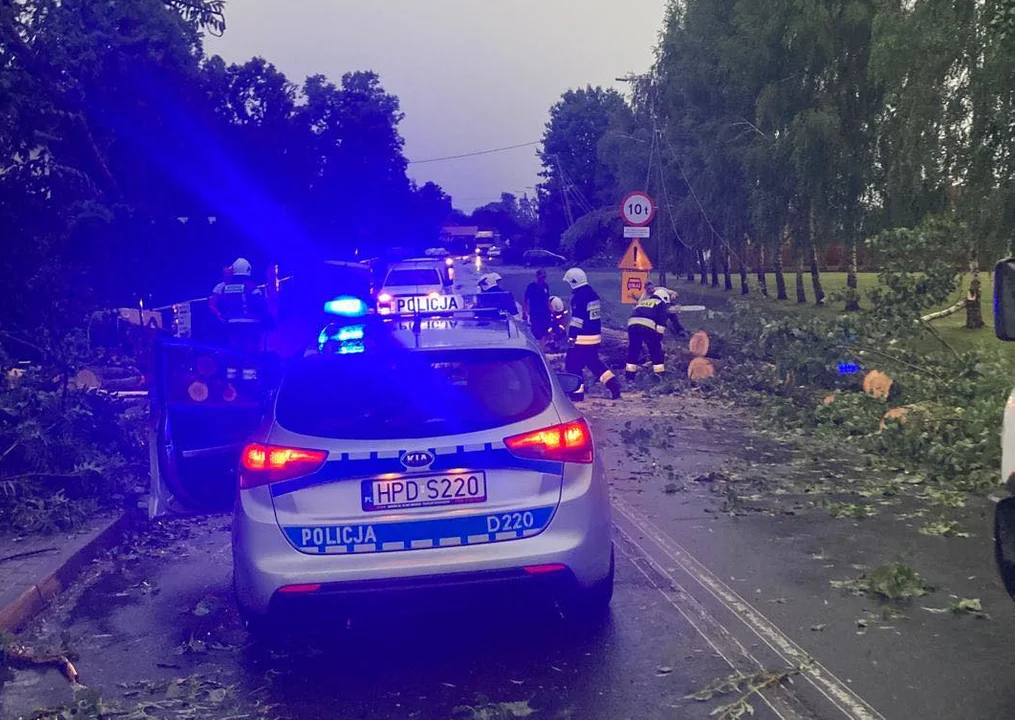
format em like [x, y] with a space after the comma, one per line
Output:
[569, 383]
[1004, 299]
[1004, 542]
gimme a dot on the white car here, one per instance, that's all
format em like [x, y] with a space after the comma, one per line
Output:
[417, 285]
[442, 457]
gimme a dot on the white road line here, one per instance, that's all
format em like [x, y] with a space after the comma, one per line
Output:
[835, 690]
[718, 637]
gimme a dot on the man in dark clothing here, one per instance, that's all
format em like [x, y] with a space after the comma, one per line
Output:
[585, 335]
[536, 307]
[646, 326]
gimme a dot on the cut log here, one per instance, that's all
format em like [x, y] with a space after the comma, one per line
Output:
[699, 344]
[700, 368]
[829, 399]
[877, 384]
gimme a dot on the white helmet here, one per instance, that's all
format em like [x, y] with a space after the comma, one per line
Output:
[663, 294]
[241, 268]
[556, 304]
[576, 277]
[488, 281]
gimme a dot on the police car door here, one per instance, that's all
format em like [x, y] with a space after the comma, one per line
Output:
[205, 402]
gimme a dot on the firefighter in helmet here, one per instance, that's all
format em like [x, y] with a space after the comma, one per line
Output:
[585, 335]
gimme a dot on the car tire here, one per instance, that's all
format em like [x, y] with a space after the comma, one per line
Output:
[588, 608]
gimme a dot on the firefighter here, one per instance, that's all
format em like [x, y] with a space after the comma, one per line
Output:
[493, 294]
[240, 306]
[646, 326]
[585, 335]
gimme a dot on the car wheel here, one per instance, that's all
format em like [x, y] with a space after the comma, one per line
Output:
[587, 608]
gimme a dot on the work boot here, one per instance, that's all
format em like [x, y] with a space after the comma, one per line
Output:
[613, 385]
[630, 376]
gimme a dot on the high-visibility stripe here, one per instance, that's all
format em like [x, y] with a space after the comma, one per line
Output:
[661, 329]
[606, 376]
[631, 368]
[658, 368]
[644, 322]
[577, 322]
[588, 340]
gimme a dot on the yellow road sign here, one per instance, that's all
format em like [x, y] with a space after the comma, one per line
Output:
[635, 258]
[632, 285]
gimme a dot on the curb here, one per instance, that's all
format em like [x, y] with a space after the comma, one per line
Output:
[35, 599]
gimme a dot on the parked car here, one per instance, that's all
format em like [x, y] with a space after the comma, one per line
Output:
[538, 257]
[415, 285]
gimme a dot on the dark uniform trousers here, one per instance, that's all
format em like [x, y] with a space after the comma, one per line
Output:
[638, 336]
[580, 357]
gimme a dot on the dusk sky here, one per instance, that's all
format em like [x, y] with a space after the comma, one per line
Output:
[471, 74]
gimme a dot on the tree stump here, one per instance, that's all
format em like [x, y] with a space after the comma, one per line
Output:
[700, 368]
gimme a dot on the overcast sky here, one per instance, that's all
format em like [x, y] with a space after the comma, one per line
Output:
[471, 74]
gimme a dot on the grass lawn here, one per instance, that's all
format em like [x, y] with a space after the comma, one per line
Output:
[607, 283]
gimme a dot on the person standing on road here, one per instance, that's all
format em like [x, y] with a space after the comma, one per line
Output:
[491, 294]
[536, 307]
[585, 335]
[646, 327]
[240, 306]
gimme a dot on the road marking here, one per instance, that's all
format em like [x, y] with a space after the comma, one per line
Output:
[835, 690]
[718, 637]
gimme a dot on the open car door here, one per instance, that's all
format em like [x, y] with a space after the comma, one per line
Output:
[205, 403]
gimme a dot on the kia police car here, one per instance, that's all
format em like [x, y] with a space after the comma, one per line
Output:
[351, 477]
[418, 285]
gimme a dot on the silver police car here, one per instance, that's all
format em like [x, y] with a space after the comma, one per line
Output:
[438, 450]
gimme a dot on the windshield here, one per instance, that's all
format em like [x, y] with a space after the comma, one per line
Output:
[412, 394]
[412, 276]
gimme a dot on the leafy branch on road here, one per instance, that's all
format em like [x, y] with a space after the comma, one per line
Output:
[746, 684]
[897, 582]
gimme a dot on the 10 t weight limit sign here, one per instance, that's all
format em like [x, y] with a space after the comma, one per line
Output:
[638, 209]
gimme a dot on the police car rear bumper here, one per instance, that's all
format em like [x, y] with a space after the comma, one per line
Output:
[577, 538]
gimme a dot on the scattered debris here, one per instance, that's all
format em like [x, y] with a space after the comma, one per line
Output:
[493, 711]
[896, 582]
[943, 528]
[744, 684]
[818, 628]
[853, 511]
[965, 606]
[18, 656]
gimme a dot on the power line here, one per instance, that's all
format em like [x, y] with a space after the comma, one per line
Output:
[475, 154]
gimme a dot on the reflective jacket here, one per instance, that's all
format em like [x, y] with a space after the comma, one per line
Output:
[239, 305]
[650, 312]
[586, 327]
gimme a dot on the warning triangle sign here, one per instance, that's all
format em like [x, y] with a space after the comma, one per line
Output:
[635, 258]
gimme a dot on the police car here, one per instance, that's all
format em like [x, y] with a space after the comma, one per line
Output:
[417, 285]
[351, 477]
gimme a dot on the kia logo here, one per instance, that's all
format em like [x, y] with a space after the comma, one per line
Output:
[417, 459]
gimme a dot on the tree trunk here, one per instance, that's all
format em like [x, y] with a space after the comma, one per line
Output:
[727, 278]
[744, 288]
[780, 278]
[762, 281]
[715, 266]
[819, 293]
[852, 285]
[702, 266]
[801, 296]
[974, 311]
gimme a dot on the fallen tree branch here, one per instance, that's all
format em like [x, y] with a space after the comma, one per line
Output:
[18, 656]
[961, 304]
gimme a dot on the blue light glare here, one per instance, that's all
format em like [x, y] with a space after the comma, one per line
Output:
[346, 307]
[848, 368]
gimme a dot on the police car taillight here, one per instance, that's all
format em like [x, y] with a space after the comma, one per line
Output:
[568, 442]
[263, 464]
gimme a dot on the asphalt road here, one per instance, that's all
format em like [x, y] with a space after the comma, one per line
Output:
[726, 563]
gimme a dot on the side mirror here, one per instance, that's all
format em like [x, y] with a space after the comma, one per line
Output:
[569, 383]
[1004, 542]
[1004, 299]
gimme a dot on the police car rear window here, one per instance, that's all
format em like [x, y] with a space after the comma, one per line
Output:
[412, 276]
[412, 394]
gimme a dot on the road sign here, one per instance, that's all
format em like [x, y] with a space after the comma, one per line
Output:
[635, 258]
[632, 285]
[638, 209]
[634, 231]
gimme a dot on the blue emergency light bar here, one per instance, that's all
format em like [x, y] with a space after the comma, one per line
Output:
[346, 307]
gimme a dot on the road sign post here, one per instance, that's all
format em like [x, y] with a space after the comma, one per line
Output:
[637, 210]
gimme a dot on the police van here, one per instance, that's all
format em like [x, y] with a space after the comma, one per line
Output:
[418, 285]
[429, 450]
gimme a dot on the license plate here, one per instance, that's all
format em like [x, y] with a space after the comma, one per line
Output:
[428, 303]
[424, 491]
